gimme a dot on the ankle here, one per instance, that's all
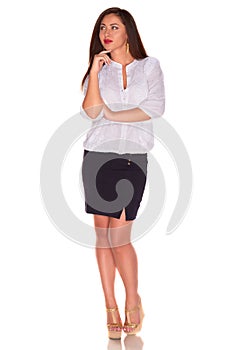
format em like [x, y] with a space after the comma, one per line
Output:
[132, 301]
[111, 303]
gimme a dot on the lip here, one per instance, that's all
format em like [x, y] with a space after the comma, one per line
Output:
[107, 41]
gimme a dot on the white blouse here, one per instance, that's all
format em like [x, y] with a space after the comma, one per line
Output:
[145, 90]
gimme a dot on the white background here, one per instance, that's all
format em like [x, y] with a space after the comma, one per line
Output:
[51, 296]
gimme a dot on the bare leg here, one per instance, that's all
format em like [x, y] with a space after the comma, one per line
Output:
[125, 260]
[106, 262]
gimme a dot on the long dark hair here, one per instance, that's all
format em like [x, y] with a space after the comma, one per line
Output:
[136, 47]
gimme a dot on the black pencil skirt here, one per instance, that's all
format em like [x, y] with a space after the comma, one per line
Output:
[113, 182]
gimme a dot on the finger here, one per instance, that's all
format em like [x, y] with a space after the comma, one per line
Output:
[105, 58]
[101, 54]
[102, 59]
[108, 58]
[105, 51]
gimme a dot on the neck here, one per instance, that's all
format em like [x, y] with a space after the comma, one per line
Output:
[123, 58]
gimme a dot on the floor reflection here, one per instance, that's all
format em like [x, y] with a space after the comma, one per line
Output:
[131, 342]
[114, 345]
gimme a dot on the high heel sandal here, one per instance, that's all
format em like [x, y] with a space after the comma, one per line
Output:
[133, 328]
[114, 328]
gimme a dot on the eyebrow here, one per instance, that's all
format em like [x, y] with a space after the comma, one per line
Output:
[112, 24]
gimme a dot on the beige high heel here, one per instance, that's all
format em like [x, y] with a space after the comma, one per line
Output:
[114, 328]
[133, 328]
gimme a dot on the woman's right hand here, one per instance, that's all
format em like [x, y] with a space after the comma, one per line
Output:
[99, 60]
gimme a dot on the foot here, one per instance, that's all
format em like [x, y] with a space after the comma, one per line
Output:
[114, 323]
[113, 315]
[134, 318]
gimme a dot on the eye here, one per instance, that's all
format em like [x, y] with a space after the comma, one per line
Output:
[114, 27]
[102, 27]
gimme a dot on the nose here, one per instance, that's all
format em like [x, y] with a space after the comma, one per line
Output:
[107, 31]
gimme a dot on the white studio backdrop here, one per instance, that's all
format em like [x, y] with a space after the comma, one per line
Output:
[50, 290]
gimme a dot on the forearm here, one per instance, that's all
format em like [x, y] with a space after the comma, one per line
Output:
[93, 103]
[129, 115]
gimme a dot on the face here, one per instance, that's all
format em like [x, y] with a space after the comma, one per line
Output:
[112, 33]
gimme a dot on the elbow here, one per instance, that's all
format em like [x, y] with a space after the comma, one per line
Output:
[92, 111]
[89, 113]
[159, 111]
[162, 110]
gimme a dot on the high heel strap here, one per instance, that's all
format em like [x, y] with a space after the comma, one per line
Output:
[135, 327]
[114, 328]
[112, 311]
[129, 312]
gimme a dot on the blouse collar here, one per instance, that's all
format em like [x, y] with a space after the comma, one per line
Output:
[119, 65]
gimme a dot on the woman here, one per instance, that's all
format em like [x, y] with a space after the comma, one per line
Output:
[123, 90]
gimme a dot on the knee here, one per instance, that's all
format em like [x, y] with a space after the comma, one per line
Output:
[117, 250]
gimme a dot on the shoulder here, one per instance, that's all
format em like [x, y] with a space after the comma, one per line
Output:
[151, 67]
[150, 63]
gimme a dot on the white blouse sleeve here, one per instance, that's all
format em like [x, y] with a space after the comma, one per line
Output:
[82, 111]
[154, 104]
